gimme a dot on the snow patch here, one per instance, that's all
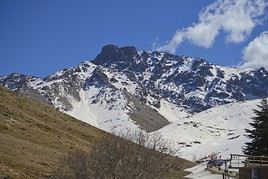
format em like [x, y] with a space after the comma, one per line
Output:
[81, 109]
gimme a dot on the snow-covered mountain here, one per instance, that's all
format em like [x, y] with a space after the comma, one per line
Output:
[123, 88]
[87, 93]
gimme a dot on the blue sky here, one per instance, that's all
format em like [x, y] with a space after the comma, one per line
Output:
[39, 37]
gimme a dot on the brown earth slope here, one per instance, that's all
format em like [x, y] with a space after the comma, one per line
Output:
[34, 136]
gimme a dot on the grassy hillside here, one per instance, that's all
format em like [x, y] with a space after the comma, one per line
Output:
[34, 137]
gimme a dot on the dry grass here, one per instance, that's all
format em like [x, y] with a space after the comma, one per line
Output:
[34, 137]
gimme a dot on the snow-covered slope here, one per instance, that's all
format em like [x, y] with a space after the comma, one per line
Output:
[171, 111]
[199, 172]
[100, 114]
[217, 130]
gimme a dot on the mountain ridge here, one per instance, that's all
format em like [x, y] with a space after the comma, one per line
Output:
[108, 81]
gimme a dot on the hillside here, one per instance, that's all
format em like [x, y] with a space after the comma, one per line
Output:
[34, 137]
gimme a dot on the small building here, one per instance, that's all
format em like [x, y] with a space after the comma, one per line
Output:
[250, 167]
[253, 172]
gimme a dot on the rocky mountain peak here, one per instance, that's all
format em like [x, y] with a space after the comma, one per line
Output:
[112, 53]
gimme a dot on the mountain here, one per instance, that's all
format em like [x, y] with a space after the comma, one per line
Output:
[124, 89]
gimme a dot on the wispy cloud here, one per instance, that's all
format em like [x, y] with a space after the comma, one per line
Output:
[236, 18]
[255, 54]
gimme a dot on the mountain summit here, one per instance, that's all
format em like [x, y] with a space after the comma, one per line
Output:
[112, 53]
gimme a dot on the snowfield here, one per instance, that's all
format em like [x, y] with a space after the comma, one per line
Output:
[216, 130]
[200, 172]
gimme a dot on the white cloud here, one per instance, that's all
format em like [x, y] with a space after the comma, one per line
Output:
[174, 42]
[237, 18]
[256, 53]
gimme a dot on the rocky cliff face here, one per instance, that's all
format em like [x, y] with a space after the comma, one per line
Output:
[121, 86]
[190, 82]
